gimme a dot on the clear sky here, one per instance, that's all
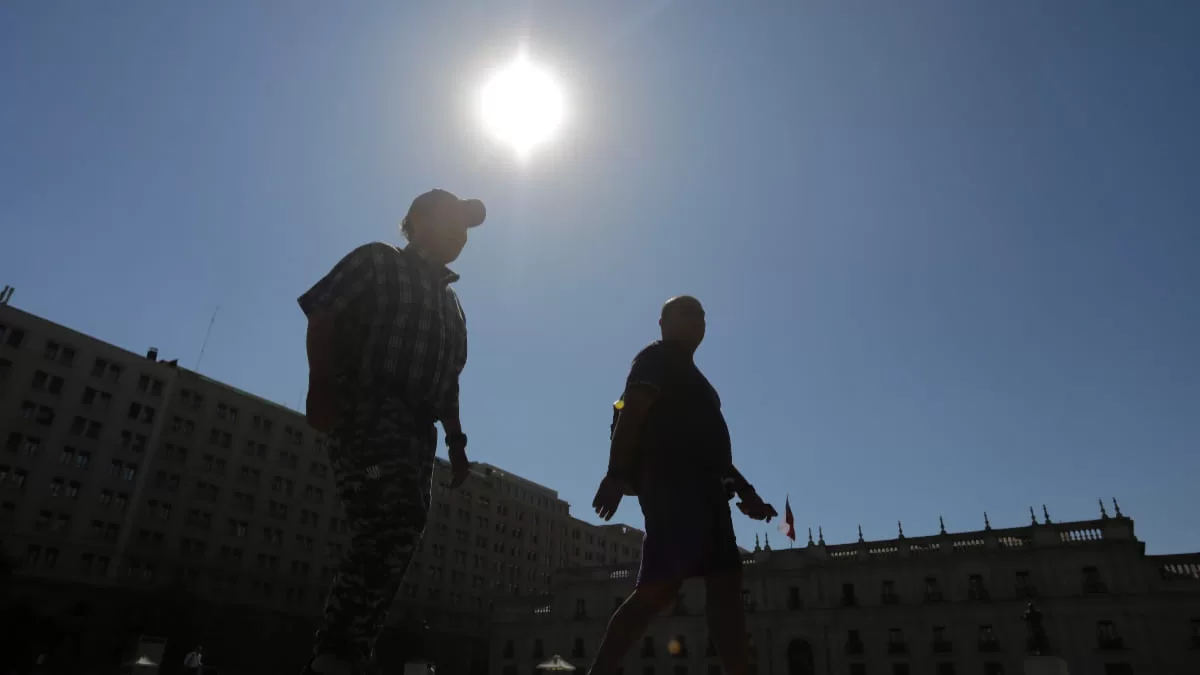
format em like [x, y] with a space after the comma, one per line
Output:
[950, 251]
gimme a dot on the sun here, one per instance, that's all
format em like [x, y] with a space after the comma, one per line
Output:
[522, 105]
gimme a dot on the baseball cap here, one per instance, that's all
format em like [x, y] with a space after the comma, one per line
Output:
[471, 211]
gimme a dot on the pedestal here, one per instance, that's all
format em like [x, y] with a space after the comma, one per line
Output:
[1045, 665]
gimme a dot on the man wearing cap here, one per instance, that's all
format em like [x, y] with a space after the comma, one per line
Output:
[387, 340]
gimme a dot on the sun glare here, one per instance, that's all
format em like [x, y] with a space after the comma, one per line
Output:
[522, 106]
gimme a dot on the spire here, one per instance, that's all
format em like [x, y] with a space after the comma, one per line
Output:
[900, 526]
[810, 541]
[1117, 508]
[757, 546]
[941, 525]
[860, 537]
[987, 524]
[1103, 513]
[1046, 513]
[1032, 517]
[820, 536]
[767, 539]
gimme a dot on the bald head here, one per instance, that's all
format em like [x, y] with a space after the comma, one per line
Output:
[682, 320]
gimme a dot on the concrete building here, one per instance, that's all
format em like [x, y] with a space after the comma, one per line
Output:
[122, 470]
[949, 604]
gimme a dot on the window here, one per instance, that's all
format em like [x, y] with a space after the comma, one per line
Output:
[941, 644]
[900, 669]
[993, 668]
[793, 601]
[858, 669]
[72, 491]
[261, 425]
[1107, 637]
[141, 413]
[108, 370]
[888, 594]
[848, 598]
[150, 385]
[987, 639]
[975, 588]
[946, 669]
[1024, 586]
[896, 643]
[647, 647]
[25, 445]
[56, 486]
[5, 369]
[577, 649]
[191, 399]
[82, 459]
[1092, 583]
[933, 592]
[13, 337]
[160, 510]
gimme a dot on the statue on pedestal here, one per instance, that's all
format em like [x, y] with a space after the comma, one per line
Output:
[1037, 641]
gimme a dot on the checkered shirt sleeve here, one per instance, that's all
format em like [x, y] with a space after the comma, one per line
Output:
[347, 281]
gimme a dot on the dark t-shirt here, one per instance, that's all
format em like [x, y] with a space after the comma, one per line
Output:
[683, 447]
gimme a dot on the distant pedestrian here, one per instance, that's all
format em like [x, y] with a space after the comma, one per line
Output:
[193, 663]
[671, 448]
[387, 340]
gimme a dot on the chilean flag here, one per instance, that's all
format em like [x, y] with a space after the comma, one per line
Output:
[788, 525]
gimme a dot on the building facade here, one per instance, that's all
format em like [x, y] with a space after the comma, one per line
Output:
[121, 470]
[950, 604]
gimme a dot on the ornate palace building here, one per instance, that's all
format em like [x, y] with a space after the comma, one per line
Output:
[949, 604]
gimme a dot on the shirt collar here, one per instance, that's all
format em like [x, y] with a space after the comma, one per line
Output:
[447, 275]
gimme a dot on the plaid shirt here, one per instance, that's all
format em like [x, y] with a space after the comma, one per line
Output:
[400, 327]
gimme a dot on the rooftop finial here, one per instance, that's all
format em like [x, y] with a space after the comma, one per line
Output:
[757, 545]
[810, 541]
[1032, 517]
[1103, 513]
[987, 524]
[860, 537]
[1117, 508]
[820, 536]
[1046, 514]
[941, 525]
[767, 539]
[900, 526]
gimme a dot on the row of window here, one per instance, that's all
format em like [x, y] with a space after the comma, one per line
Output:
[65, 355]
[1023, 587]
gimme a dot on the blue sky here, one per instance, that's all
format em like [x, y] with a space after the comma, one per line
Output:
[949, 250]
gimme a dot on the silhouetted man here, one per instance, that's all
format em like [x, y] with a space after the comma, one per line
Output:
[387, 340]
[671, 448]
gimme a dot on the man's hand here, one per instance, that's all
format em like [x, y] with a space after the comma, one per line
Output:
[755, 508]
[459, 466]
[608, 498]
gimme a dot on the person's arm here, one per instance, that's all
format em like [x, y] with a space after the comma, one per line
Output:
[643, 386]
[323, 304]
[736, 482]
[451, 423]
[320, 344]
[623, 450]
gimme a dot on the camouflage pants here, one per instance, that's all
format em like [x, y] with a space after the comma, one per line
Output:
[383, 463]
